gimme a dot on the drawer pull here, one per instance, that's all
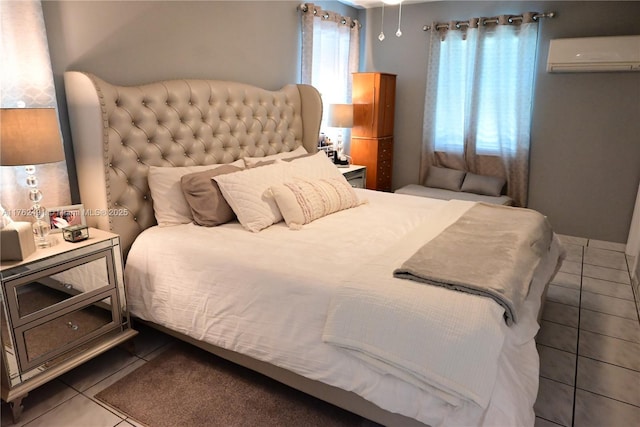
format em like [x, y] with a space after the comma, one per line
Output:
[72, 326]
[68, 286]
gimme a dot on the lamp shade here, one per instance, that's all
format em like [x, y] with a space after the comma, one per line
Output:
[29, 136]
[340, 115]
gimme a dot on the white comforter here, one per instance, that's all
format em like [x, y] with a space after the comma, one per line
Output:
[267, 295]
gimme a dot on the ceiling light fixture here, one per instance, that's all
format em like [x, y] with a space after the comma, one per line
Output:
[399, 32]
[381, 35]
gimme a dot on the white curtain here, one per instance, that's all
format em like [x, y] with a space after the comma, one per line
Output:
[26, 80]
[479, 97]
[330, 54]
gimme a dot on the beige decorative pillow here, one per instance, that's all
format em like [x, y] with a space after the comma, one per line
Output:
[251, 162]
[316, 166]
[481, 184]
[247, 194]
[449, 179]
[301, 201]
[208, 206]
[169, 205]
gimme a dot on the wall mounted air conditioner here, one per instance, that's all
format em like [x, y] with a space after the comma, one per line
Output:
[594, 54]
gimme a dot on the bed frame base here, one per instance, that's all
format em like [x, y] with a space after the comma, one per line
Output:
[336, 396]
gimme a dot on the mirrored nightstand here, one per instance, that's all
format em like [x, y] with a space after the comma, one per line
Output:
[60, 307]
[356, 175]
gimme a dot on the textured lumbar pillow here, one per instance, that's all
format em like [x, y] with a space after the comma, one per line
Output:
[301, 201]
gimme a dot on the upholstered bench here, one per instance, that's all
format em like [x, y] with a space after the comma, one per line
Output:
[447, 184]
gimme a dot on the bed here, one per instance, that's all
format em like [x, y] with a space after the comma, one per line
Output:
[288, 299]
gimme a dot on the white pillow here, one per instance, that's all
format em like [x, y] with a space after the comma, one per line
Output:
[302, 201]
[247, 193]
[252, 161]
[169, 205]
[317, 166]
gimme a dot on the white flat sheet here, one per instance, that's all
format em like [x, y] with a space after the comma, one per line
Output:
[267, 294]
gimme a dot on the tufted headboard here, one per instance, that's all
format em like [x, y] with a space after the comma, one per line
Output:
[119, 131]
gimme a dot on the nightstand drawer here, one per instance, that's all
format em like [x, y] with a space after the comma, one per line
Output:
[62, 331]
[39, 294]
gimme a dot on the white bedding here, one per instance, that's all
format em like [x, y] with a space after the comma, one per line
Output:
[267, 294]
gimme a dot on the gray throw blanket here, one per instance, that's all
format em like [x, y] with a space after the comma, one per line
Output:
[490, 250]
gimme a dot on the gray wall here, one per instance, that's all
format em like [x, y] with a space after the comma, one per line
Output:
[132, 42]
[585, 158]
[585, 148]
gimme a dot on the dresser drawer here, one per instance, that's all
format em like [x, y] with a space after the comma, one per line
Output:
[39, 294]
[57, 333]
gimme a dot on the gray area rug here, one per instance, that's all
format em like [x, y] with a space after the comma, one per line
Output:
[188, 387]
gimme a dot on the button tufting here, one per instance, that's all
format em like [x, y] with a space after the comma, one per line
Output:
[138, 160]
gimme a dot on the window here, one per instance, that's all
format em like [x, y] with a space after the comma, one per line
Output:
[478, 98]
[330, 52]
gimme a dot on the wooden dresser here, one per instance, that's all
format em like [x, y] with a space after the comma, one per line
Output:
[374, 97]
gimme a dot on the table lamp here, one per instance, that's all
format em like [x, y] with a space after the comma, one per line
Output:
[340, 116]
[31, 136]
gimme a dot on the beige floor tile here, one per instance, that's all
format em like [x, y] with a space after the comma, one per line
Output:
[608, 305]
[80, 411]
[607, 324]
[573, 240]
[573, 252]
[567, 280]
[99, 368]
[608, 380]
[593, 410]
[605, 258]
[560, 337]
[39, 401]
[554, 402]
[611, 246]
[605, 287]
[571, 267]
[564, 295]
[611, 350]
[606, 273]
[557, 365]
[561, 313]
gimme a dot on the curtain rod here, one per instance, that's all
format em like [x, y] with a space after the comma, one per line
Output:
[494, 20]
[304, 7]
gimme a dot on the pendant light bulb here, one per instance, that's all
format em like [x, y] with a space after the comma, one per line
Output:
[399, 32]
[381, 35]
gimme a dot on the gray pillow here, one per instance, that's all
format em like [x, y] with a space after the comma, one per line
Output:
[449, 179]
[479, 184]
[208, 206]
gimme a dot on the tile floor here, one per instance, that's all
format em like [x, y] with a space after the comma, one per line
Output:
[589, 347]
[589, 341]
